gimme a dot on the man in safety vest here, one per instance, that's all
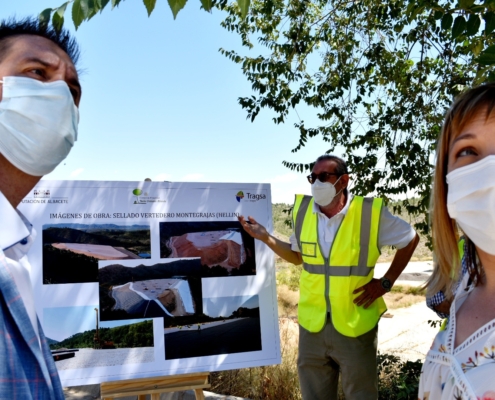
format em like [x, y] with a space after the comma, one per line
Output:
[337, 237]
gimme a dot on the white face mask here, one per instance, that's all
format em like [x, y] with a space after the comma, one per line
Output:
[471, 201]
[324, 192]
[38, 124]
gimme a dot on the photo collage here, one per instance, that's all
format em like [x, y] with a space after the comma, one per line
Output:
[171, 289]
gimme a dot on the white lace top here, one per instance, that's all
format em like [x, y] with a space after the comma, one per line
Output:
[466, 372]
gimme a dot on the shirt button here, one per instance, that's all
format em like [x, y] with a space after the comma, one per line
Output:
[23, 241]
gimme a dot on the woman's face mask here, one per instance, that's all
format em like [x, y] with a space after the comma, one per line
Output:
[471, 201]
[38, 124]
[471, 182]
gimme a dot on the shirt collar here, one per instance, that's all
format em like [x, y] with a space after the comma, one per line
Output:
[15, 227]
[343, 212]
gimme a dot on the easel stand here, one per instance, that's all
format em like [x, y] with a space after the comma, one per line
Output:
[156, 386]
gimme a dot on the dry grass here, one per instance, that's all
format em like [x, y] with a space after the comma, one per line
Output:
[280, 382]
[422, 253]
[287, 302]
[401, 300]
[404, 296]
[274, 382]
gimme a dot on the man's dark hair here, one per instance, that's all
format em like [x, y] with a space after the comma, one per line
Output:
[10, 28]
[341, 165]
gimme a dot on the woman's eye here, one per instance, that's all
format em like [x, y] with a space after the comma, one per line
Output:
[37, 71]
[466, 152]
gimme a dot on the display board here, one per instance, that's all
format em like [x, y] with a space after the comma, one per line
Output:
[143, 279]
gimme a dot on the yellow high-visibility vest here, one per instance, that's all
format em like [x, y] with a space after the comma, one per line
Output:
[327, 281]
[460, 246]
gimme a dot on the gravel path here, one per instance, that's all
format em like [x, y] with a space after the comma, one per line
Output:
[89, 358]
[407, 333]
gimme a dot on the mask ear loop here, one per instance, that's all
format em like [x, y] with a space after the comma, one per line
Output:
[336, 194]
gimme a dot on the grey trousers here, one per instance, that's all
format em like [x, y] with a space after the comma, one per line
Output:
[323, 354]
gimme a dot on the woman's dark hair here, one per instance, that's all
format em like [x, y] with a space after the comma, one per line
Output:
[477, 102]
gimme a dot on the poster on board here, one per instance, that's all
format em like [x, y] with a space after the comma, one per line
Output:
[143, 279]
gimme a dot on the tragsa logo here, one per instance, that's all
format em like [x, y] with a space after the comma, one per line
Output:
[250, 197]
[239, 195]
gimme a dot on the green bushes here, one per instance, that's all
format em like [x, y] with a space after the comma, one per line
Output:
[397, 379]
[288, 275]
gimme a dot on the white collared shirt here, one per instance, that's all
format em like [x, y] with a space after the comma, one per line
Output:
[16, 238]
[393, 231]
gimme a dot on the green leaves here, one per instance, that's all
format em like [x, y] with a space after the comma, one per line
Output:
[84, 10]
[466, 4]
[44, 17]
[79, 12]
[447, 20]
[473, 25]
[206, 4]
[58, 17]
[487, 57]
[176, 6]
[459, 26]
[489, 18]
[244, 7]
[438, 14]
[150, 6]
[379, 101]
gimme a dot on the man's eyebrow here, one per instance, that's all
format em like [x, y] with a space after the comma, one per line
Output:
[40, 61]
[72, 81]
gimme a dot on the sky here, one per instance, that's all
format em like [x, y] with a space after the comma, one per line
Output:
[225, 306]
[159, 101]
[76, 320]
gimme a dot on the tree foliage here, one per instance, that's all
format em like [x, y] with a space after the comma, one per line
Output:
[133, 335]
[84, 10]
[375, 79]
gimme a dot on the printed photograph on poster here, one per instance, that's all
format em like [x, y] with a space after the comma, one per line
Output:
[170, 289]
[228, 325]
[224, 247]
[81, 246]
[82, 341]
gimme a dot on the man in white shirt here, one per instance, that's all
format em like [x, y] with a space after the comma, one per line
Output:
[39, 96]
[337, 238]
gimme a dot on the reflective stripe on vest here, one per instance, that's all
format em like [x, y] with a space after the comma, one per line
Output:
[327, 283]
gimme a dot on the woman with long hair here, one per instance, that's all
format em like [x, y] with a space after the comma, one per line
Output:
[461, 361]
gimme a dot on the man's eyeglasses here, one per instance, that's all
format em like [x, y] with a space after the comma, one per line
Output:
[322, 176]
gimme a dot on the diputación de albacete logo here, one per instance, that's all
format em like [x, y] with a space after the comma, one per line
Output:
[239, 195]
[138, 192]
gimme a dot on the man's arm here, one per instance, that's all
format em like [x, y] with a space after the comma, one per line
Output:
[280, 248]
[373, 289]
